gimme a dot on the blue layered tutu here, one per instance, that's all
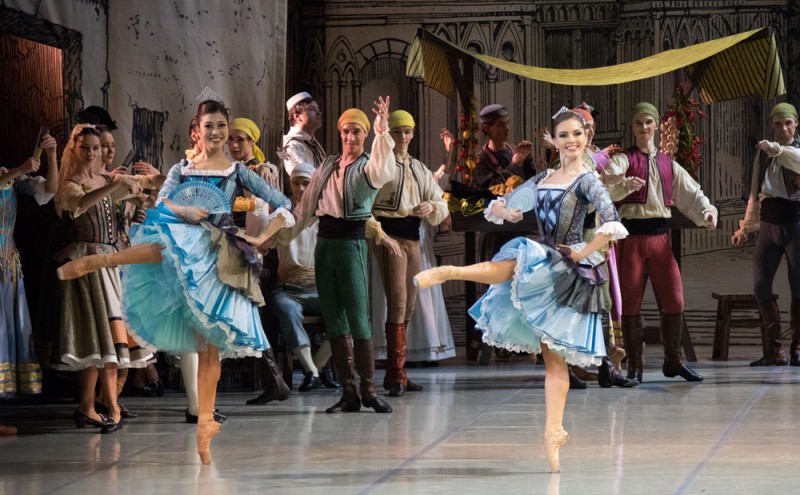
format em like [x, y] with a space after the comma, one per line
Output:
[525, 311]
[181, 304]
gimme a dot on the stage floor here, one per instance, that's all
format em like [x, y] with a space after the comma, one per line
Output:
[473, 430]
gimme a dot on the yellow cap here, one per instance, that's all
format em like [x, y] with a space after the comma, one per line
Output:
[354, 116]
[250, 128]
[401, 118]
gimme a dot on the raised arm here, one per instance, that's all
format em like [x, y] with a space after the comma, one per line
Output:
[380, 167]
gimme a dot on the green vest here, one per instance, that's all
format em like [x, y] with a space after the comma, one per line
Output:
[358, 195]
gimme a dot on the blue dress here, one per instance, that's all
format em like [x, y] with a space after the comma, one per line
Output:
[205, 290]
[551, 299]
[19, 370]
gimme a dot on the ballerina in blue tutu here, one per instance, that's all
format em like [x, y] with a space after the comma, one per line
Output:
[546, 296]
[191, 283]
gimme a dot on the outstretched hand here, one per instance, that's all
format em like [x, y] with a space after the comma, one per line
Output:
[447, 137]
[381, 111]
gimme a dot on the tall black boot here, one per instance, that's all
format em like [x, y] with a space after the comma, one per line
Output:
[671, 330]
[343, 361]
[365, 365]
[274, 386]
[794, 318]
[632, 334]
[774, 353]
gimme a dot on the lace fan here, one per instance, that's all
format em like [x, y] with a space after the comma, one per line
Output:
[522, 198]
[201, 195]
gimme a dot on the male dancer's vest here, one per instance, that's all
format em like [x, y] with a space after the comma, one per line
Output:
[639, 166]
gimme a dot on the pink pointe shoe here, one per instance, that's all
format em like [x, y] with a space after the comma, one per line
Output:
[207, 429]
[438, 275]
[554, 438]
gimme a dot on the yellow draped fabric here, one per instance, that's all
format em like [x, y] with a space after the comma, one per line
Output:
[726, 68]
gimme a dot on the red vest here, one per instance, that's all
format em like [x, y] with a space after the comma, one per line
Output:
[639, 166]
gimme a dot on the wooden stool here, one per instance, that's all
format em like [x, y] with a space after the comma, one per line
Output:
[726, 305]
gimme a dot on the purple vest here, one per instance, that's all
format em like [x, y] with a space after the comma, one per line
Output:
[638, 166]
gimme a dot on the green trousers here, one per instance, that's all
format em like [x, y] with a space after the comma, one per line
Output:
[343, 286]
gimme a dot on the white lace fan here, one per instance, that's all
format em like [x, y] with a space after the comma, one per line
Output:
[522, 198]
[201, 195]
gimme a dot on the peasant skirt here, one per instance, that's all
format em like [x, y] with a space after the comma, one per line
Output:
[548, 300]
[87, 306]
[202, 292]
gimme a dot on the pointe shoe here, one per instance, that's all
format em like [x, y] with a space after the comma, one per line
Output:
[78, 268]
[207, 429]
[553, 440]
[437, 275]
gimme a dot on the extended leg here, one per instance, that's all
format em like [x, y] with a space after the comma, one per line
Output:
[134, 255]
[488, 272]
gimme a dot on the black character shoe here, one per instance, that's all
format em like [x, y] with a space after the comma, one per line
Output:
[672, 370]
[413, 387]
[327, 379]
[576, 383]
[84, 421]
[111, 427]
[310, 382]
[192, 419]
[608, 376]
[124, 411]
[377, 404]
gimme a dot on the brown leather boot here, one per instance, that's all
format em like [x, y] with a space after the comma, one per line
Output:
[632, 337]
[343, 359]
[365, 365]
[774, 353]
[410, 386]
[671, 331]
[395, 360]
[274, 386]
[794, 318]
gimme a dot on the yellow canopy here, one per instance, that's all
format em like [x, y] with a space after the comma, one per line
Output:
[726, 68]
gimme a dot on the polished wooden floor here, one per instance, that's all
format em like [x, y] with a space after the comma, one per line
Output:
[473, 430]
